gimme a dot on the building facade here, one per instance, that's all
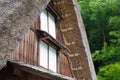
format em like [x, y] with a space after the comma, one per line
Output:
[54, 46]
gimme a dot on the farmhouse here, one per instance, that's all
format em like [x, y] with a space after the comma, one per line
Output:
[43, 40]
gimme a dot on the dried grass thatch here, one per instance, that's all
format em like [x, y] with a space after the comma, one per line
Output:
[75, 39]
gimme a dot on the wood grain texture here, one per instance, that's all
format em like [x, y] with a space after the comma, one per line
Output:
[28, 50]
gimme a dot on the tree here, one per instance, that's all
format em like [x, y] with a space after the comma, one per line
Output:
[110, 72]
[102, 22]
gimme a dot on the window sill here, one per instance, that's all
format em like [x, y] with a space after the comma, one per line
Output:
[47, 38]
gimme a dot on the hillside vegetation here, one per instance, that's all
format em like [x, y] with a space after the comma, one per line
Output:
[102, 22]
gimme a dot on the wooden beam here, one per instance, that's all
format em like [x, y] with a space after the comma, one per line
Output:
[44, 36]
[38, 71]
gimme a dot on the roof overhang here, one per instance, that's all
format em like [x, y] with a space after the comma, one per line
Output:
[37, 71]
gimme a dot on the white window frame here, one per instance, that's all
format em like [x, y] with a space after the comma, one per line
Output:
[45, 59]
[52, 59]
[48, 23]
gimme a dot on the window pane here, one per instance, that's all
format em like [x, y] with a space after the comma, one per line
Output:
[44, 23]
[52, 30]
[43, 54]
[52, 59]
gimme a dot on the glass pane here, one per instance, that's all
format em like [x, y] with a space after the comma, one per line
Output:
[43, 19]
[52, 59]
[52, 30]
[43, 54]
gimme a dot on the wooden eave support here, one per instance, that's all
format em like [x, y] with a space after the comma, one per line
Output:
[47, 38]
[44, 36]
[37, 71]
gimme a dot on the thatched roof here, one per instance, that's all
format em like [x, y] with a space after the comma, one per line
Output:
[75, 39]
[17, 15]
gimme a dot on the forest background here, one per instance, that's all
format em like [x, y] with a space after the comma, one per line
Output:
[102, 21]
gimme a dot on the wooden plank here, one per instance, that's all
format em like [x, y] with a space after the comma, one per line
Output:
[25, 49]
[64, 66]
[49, 38]
[38, 71]
[32, 45]
[29, 50]
[35, 50]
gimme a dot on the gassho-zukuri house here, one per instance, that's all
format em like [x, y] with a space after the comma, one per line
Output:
[43, 40]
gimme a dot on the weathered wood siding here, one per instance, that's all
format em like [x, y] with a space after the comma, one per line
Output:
[28, 50]
[9, 73]
[64, 65]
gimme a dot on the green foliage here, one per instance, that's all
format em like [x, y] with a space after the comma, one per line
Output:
[114, 22]
[100, 17]
[109, 72]
[102, 22]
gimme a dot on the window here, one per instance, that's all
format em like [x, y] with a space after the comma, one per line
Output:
[48, 55]
[52, 59]
[43, 54]
[48, 23]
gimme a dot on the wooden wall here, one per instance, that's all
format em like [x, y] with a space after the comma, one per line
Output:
[64, 67]
[28, 50]
[9, 73]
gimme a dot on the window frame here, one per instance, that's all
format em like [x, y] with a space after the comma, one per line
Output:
[48, 25]
[57, 54]
[49, 14]
[58, 45]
